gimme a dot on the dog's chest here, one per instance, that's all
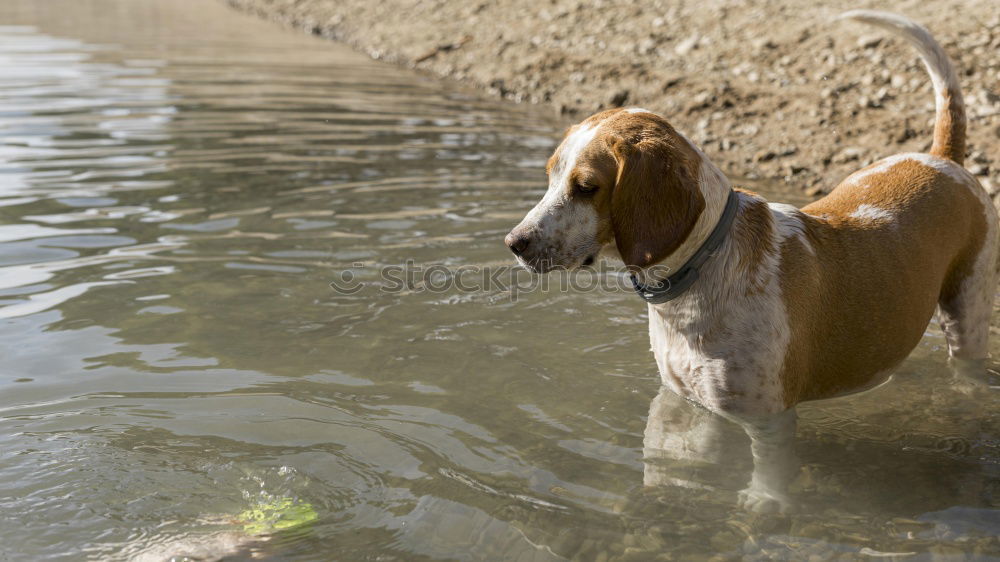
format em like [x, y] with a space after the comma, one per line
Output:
[733, 371]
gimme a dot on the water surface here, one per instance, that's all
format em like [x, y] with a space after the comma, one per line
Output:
[180, 184]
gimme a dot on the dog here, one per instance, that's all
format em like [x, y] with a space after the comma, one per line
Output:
[764, 305]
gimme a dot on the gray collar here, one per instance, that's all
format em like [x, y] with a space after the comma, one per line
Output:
[674, 286]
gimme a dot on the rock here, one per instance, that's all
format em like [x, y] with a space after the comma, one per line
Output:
[619, 98]
[703, 99]
[869, 41]
[687, 45]
[765, 156]
[670, 83]
[978, 170]
[848, 154]
[646, 46]
[904, 133]
[568, 109]
[790, 170]
[990, 187]
[764, 43]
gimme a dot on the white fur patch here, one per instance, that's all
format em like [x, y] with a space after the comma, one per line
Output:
[541, 216]
[574, 144]
[872, 213]
[738, 376]
[637, 110]
[788, 219]
[565, 230]
[859, 177]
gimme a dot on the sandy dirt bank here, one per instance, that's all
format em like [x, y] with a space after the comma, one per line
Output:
[770, 89]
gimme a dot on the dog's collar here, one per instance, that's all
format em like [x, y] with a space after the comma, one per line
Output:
[675, 285]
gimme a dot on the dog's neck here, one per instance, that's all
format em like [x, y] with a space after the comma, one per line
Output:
[740, 275]
[721, 282]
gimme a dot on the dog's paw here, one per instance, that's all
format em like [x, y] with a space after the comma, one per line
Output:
[759, 500]
[971, 377]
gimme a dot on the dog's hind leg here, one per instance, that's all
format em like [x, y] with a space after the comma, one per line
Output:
[965, 318]
[966, 301]
[964, 311]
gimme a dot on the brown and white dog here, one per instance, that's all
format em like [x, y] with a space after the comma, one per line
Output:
[791, 304]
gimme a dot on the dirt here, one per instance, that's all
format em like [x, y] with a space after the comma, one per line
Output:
[773, 90]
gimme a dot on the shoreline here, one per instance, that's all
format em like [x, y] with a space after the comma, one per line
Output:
[806, 101]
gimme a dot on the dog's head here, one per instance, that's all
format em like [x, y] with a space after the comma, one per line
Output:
[623, 178]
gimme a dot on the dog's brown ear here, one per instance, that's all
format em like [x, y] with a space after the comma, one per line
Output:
[656, 199]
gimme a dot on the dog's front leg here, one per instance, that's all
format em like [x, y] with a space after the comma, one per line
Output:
[774, 462]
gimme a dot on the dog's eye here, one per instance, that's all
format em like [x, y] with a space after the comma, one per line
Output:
[585, 188]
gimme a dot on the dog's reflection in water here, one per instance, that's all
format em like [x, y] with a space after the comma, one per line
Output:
[686, 445]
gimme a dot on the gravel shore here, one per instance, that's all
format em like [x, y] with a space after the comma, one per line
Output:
[773, 90]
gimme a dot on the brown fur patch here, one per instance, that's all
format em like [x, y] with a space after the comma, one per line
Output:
[750, 233]
[861, 303]
[949, 128]
[656, 200]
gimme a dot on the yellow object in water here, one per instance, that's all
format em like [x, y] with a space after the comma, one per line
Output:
[277, 515]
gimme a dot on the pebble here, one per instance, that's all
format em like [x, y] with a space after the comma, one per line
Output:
[687, 45]
[646, 46]
[869, 41]
[764, 156]
[990, 186]
[764, 43]
[848, 154]
[619, 99]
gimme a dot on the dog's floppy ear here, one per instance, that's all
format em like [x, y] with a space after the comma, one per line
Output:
[656, 199]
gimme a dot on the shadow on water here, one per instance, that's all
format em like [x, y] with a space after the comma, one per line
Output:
[180, 186]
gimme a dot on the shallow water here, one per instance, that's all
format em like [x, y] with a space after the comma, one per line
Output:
[179, 186]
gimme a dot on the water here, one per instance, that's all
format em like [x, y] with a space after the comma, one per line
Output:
[180, 184]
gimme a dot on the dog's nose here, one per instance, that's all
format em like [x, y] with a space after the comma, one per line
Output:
[517, 243]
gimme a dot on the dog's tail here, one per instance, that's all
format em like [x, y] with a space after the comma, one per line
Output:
[949, 126]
